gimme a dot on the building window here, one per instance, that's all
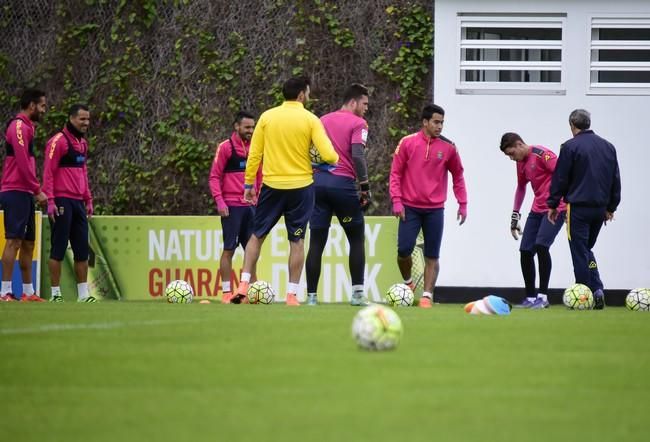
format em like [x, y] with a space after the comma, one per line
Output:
[511, 53]
[620, 55]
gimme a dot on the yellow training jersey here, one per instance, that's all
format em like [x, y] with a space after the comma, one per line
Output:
[282, 138]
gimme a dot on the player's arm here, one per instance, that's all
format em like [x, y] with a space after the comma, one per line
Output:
[515, 217]
[221, 157]
[455, 167]
[358, 152]
[88, 196]
[255, 155]
[395, 180]
[53, 152]
[615, 192]
[20, 138]
[322, 142]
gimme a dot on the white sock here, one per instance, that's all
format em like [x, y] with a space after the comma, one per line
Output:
[56, 291]
[408, 281]
[542, 296]
[28, 289]
[82, 290]
[225, 286]
[245, 277]
[312, 294]
[357, 289]
[428, 295]
[6, 288]
[531, 299]
[292, 287]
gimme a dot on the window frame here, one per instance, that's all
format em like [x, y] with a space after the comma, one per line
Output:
[505, 20]
[616, 21]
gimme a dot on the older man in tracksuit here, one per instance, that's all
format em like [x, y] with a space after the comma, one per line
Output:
[587, 177]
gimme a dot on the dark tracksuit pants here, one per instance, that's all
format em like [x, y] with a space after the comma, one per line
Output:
[583, 226]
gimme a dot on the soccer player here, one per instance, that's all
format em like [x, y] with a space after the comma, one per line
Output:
[19, 186]
[283, 136]
[70, 203]
[336, 192]
[535, 165]
[418, 190]
[226, 184]
[588, 178]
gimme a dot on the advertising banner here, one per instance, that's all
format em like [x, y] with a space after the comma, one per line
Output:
[16, 278]
[134, 258]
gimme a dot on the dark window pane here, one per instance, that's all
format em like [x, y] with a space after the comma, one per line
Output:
[513, 55]
[623, 55]
[505, 76]
[514, 33]
[623, 77]
[624, 34]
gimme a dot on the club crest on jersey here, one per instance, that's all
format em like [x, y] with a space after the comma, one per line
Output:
[439, 155]
[547, 157]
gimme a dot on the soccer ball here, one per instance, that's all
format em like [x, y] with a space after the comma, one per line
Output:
[578, 297]
[179, 292]
[261, 292]
[399, 295]
[377, 328]
[638, 300]
[314, 155]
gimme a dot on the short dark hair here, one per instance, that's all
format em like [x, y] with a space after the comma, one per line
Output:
[354, 92]
[30, 96]
[241, 115]
[509, 139]
[431, 109]
[75, 108]
[581, 119]
[293, 86]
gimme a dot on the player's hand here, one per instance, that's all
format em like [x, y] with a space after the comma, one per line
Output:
[609, 216]
[249, 195]
[515, 227]
[552, 215]
[41, 199]
[324, 167]
[365, 196]
[398, 211]
[461, 216]
[51, 210]
[89, 208]
[223, 211]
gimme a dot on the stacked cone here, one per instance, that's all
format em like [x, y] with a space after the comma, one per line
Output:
[490, 305]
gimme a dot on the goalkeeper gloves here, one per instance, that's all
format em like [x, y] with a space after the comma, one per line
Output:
[515, 227]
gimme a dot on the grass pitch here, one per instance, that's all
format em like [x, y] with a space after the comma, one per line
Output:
[129, 371]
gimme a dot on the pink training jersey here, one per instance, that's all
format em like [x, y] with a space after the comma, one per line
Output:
[537, 169]
[227, 173]
[64, 171]
[19, 169]
[419, 173]
[345, 129]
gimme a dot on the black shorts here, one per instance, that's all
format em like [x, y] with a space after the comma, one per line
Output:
[296, 205]
[71, 224]
[335, 195]
[237, 226]
[19, 219]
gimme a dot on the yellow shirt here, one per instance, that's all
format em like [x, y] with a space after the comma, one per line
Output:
[282, 138]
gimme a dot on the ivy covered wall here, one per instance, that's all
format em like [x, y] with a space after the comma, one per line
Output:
[164, 79]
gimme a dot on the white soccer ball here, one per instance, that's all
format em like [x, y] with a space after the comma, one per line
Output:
[377, 327]
[314, 155]
[578, 297]
[179, 292]
[261, 292]
[638, 300]
[399, 295]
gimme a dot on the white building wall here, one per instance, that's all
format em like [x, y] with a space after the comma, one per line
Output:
[482, 252]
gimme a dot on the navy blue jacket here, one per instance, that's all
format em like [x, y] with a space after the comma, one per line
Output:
[586, 173]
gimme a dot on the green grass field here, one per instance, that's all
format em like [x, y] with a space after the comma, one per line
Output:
[135, 371]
